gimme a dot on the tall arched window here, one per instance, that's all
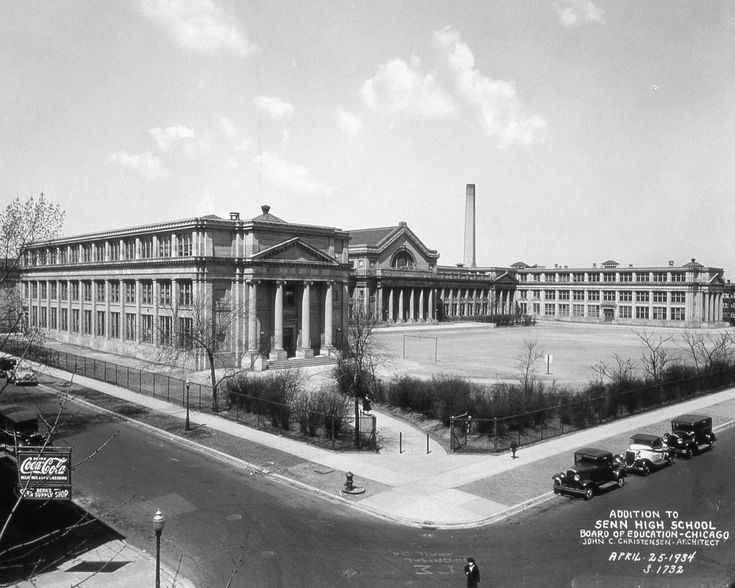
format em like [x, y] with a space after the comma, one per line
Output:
[403, 260]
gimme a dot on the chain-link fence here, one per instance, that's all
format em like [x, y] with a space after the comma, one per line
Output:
[469, 434]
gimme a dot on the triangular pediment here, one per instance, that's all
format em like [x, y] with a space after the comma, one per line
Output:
[506, 279]
[294, 251]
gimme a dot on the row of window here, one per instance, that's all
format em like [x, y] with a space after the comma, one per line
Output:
[662, 313]
[83, 322]
[631, 276]
[607, 295]
[101, 290]
[133, 248]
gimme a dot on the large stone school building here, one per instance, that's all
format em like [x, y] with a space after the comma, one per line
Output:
[286, 290]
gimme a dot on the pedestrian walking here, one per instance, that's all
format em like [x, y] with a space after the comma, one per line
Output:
[472, 571]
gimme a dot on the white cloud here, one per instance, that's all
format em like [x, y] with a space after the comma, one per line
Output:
[295, 178]
[349, 122]
[199, 26]
[496, 99]
[235, 137]
[165, 137]
[146, 164]
[274, 106]
[401, 87]
[575, 12]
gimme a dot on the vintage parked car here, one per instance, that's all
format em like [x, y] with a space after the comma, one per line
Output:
[593, 469]
[646, 453]
[23, 375]
[19, 427]
[690, 433]
[7, 365]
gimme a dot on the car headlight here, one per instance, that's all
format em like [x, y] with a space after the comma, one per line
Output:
[577, 478]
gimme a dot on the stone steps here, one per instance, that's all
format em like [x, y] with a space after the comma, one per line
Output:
[293, 362]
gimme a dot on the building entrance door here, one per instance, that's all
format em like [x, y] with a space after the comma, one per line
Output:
[289, 342]
[609, 314]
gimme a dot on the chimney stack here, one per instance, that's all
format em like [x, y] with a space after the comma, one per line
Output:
[469, 228]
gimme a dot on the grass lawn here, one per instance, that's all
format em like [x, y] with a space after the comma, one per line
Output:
[486, 354]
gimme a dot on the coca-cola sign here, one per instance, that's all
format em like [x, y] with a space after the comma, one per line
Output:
[44, 473]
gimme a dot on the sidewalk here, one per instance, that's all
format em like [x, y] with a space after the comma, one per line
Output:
[411, 487]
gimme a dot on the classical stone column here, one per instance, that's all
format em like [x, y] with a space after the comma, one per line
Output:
[252, 317]
[400, 305]
[422, 317]
[328, 320]
[379, 302]
[391, 310]
[278, 352]
[305, 350]
[411, 305]
[431, 310]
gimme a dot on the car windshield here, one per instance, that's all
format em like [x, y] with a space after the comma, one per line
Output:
[584, 458]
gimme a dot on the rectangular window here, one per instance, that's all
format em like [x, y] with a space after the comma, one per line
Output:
[185, 293]
[660, 297]
[550, 294]
[563, 277]
[563, 294]
[164, 293]
[114, 291]
[678, 277]
[536, 294]
[74, 320]
[677, 314]
[146, 247]
[64, 320]
[146, 328]
[53, 256]
[129, 245]
[44, 322]
[593, 311]
[115, 325]
[626, 296]
[608, 295]
[549, 309]
[642, 297]
[146, 292]
[100, 291]
[184, 242]
[34, 316]
[578, 295]
[578, 277]
[164, 246]
[52, 322]
[99, 328]
[54, 288]
[42, 257]
[659, 313]
[87, 322]
[186, 329]
[44, 290]
[26, 289]
[625, 312]
[75, 291]
[593, 295]
[63, 255]
[659, 276]
[164, 330]
[678, 297]
[594, 277]
[563, 310]
[34, 290]
[99, 251]
[114, 250]
[74, 254]
[87, 252]
[87, 291]
[129, 292]
[608, 276]
[129, 326]
[578, 310]
[64, 290]
[626, 277]
[641, 312]
[643, 277]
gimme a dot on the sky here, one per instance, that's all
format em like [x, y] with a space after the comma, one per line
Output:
[592, 130]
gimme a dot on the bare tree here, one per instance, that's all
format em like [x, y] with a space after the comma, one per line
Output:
[656, 357]
[526, 360]
[357, 360]
[706, 351]
[201, 325]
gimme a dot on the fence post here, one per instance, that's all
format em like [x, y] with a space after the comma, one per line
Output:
[495, 434]
[427, 444]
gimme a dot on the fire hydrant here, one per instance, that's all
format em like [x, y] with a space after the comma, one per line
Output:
[348, 484]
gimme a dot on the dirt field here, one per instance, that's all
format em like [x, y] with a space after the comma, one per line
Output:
[484, 353]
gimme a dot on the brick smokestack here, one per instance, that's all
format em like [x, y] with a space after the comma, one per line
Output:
[469, 228]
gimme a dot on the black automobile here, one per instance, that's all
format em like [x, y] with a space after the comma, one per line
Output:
[690, 434]
[19, 427]
[593, 469]
[645, 453]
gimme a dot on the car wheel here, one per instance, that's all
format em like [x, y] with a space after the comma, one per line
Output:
[621, 481]
[688, 453]
[589, 493]
[645, 468]
[557, 487]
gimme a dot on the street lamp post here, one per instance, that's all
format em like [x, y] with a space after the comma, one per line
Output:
[188, 426]
[158, 523]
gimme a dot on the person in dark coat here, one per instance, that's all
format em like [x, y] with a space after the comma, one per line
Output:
[472, 572]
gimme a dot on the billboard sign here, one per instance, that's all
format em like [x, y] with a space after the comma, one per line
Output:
[44, 474]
